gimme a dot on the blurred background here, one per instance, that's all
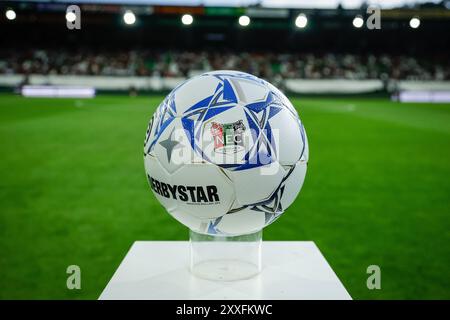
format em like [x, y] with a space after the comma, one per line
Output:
[75, 103]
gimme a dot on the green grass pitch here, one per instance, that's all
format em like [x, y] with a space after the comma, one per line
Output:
[73, 191]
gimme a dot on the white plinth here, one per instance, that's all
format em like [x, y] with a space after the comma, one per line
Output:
[158, 270]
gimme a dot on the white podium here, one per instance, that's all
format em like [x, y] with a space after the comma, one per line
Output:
[158, 270]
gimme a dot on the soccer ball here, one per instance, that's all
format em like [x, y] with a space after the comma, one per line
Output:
[225, 153]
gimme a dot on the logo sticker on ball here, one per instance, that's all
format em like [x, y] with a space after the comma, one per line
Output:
[228, 137]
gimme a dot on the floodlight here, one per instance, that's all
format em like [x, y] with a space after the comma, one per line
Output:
[414, 23]
[70, 16]
[129, 17]
[358, 22]
[187, 19]
[10, 14]
[244, 21]
[301, 21]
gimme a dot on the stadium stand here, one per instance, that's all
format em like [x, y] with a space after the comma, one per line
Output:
[187, 63]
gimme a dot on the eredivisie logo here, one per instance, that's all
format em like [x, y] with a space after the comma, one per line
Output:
[228, 137]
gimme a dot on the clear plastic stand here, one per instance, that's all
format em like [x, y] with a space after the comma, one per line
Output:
[225, 258]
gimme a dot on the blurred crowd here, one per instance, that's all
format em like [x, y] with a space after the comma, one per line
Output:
[185, 63]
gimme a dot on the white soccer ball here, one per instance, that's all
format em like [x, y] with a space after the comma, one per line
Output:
[225, 153]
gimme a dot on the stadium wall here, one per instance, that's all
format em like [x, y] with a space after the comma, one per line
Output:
[299, 86]
[317, 86]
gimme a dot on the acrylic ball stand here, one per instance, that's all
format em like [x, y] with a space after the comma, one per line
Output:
[225, 258]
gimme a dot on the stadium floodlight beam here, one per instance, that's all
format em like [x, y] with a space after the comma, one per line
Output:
[301, 21]
[187, 19]
[10, 14]
[358, 22]
[70, 16]
[129, 17]
[244, 21]
[414, 23]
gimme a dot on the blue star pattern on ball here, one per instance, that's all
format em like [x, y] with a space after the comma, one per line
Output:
[258, 114]
[221, 100]
[164, 115]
